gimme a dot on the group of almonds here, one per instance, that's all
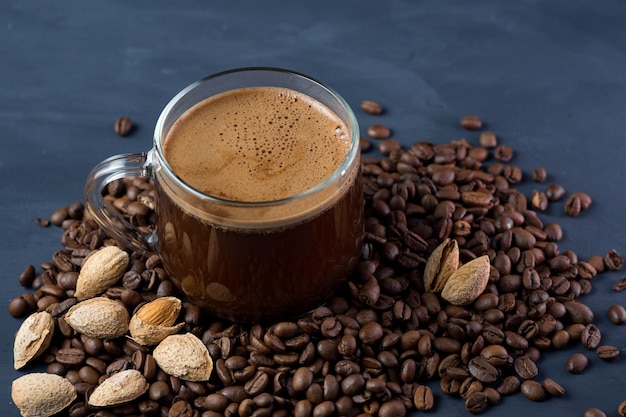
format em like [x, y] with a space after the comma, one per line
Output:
[153, 324]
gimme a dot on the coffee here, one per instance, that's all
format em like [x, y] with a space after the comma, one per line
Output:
[260, 144]
[256, 144]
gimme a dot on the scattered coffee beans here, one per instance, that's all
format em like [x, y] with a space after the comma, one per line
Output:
[378, 342]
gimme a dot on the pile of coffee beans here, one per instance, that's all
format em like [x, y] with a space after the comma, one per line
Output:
[379, 344]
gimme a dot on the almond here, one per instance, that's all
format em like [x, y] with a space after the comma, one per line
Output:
[154, 321]
[184, 356]
[441, 264]
[32, 338]
[468, 282]
[99, 317]
[42, 394]
[119, 388]
[100, 270]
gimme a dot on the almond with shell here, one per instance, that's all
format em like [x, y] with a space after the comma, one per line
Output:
[42, 394]
[32, 338]
[99, 317]
[441, 264]
[468, 282]
[154, 321]
[184, 356]
[119, 388]
[100, 270]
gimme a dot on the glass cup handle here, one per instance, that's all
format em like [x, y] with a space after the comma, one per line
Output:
[104, 213]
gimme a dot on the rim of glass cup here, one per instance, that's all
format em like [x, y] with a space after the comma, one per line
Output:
[341, 170]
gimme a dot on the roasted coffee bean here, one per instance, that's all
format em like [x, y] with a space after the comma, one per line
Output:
[471, 122]
[525, 367]
[620, 285]
[576, 363]
[617, 314]
[607, 352]
[621, 409]
[591, 336]
[482, 370]
[423, 398]
[613, 260]
[594, 412]
[123, 126]
[476, 403]
[553, 388]
[371, 107]
[555, 192]
[509, 385]
[488, 139]
[533, 390]
[378, 131]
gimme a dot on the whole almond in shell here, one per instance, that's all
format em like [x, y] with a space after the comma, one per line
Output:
[99, 317]
[184, 356]
[154, 321]
[468, 282]
[119, 388]
[32, 338]
[42, 394]
[441, 264]
[100, 270]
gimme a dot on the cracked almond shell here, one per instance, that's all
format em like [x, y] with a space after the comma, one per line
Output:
[32, 338]
[441, 264]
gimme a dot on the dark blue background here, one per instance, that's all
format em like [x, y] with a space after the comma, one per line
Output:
[547, 76]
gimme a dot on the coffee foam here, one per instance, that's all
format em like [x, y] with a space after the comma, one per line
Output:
[256, 144]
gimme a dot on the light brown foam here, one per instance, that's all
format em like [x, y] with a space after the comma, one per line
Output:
[256, 144]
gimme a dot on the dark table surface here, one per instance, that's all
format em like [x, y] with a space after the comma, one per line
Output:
[547, 76]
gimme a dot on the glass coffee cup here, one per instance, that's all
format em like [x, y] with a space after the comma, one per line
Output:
[270, 225]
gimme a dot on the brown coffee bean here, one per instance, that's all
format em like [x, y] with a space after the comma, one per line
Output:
[393, 408]
[371, 107]
[471, 122]
[525, 367]
[621, 409]
[539, 200]
[594, 412]
[482, 370]
[576, 363]
[476, 403]
[70, 356]
[123, 126]
[539, 174]
[378, 131]
[607, 352]
[555, 192]
[553, 388]
[488, 139]
[423, 398]
[617, 314]
[613, 260]
[533, 390]
[591, 336]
